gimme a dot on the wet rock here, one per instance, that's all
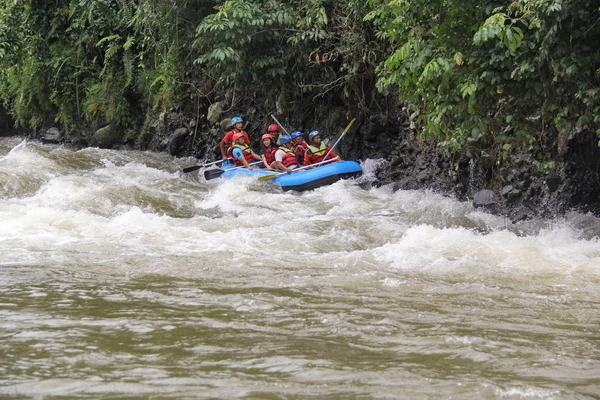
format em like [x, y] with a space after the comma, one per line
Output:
[408, 183]
[396, 162]
[521, 213]
[484, 198]
[106, 137]
[553, 182]
[52, 135]
[177, 140]
[423, 175]
[511, 193]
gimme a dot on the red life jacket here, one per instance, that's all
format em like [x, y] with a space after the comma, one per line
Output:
[270, 154]
[245, 150]
[289, 158]
[317, 155]
[299, 150]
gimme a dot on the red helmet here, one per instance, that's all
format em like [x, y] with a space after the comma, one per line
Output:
[273, 128]
[267, 136]
[236, 136]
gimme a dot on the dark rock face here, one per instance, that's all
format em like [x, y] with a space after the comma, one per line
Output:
[547, 179]
[177, 140]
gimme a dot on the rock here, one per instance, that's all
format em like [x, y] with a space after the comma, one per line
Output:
[423, 175]
[225, 124]
[407, 183]
[176, 141]
[52, 135]
[521, 213]
[215, 112]
[507, 189]
[553, 182]
[106, 137]
[396, 161]
[484, 197]
[562, 141]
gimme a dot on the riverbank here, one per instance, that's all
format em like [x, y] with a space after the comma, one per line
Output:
[544, 179]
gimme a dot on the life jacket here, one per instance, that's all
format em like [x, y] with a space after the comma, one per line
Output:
[245, 150]
[229, 145]
[270, 154]
[299, 150]
[317, 154]
[289, 158]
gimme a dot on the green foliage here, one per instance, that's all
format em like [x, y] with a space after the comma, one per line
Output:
[319, 48]
[477, 70]
[84, 60]
[480, 72]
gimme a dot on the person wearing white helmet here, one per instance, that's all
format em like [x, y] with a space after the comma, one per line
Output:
[285, 158]
[227, 141]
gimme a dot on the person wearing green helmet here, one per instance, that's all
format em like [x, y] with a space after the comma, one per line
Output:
[227, 141]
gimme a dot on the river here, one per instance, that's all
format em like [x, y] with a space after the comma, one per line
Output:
[123, 278]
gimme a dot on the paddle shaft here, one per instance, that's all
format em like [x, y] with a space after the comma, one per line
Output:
[340, 138]
[278, 123]
[215, 173]
[276, 174]
[197, 167]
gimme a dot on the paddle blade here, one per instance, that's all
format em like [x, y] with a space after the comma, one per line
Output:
[268, 177]
[191, 169]
[348, 127]
[212, 174]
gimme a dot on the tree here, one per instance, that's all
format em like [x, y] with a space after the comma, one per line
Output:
[481, 73]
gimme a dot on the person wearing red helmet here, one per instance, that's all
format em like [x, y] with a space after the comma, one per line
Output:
[240, 153]
[227, 141]
[273, 130]
[268, 155]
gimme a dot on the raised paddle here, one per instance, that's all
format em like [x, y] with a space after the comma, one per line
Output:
[275, 175]
[215, 173]
[197, 167]
[281, 126]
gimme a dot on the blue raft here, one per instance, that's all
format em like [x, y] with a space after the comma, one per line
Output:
[307, 179]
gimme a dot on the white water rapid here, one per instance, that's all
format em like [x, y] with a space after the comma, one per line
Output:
[123, 278]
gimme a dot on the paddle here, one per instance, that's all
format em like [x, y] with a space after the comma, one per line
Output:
[275, 175]
[197, 167]
[215, 173]
[281, 126]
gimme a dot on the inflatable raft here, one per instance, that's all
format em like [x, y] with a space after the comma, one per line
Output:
[305, 179]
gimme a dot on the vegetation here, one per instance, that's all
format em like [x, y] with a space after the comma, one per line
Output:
[483, 71]
[475, 71]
